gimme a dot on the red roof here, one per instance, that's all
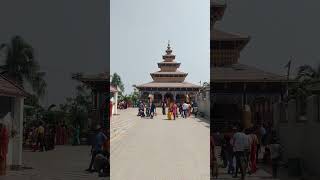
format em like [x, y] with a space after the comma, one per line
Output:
[9, 88]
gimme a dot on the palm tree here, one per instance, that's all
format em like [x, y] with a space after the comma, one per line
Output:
[20, 65]
[307, 73]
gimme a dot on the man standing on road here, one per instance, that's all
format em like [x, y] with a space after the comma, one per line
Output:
[240, 143]
[152, 110]
[97, 146]
[185, 107]
[163, 105]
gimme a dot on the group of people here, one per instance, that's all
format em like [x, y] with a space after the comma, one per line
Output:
[147, 109]
[240, 150]
[184, 109]
[40, 137]
[100, 153]
[44, 137]
[123, 105]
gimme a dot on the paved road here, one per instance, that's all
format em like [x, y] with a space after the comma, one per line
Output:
[64, 163]
[159, 149]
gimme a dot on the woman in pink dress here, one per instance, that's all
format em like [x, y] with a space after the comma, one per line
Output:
[175, 110]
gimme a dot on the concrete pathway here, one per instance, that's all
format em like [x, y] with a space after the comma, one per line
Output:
[159, 149]
[64, 163]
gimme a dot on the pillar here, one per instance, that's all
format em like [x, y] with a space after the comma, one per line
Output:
[174, 95]
[116, 103]
[17, 141]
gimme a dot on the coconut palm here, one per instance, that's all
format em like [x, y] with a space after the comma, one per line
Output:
[307, 73]
[20, 65]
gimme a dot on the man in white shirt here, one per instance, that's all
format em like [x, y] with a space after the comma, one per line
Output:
[240, 145]
[185, 107]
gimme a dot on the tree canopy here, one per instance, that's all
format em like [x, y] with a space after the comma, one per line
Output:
[116, 81]
[20, 65]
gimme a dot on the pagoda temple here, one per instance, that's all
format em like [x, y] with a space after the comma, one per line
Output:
[168, 83]
[234, 85]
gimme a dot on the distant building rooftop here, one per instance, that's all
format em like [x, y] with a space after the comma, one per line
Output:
[227, 36]
[243, 73]
[9, 88]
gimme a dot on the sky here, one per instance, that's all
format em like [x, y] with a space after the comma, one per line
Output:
[72, 36]
[67, 35]
[140, 31]
[278, 30]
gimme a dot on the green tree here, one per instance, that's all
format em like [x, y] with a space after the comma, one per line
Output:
[20, 65]
[76, 109]
[116, 81]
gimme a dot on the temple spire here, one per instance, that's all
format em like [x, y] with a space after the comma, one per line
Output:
[168, 51]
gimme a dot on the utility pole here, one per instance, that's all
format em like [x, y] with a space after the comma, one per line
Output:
[288, 66]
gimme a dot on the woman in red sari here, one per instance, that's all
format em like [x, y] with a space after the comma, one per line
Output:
[4, 141]
[253, 157]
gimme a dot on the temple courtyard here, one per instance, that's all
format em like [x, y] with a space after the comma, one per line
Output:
[63, 163]
[160, 149]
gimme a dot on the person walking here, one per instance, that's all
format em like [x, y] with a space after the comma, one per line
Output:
[180, 109]
[174, 110]
[253, 151]
[163, 105]
[185, 107]
[189, 109]
[240, 144]
[40, 136]
[213, 159]
[275, 154]
[152, 110]
[230, 153]
[97, 145]
[76, 136]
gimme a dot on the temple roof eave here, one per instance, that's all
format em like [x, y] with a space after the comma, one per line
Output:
[154, 84]
[243, 73]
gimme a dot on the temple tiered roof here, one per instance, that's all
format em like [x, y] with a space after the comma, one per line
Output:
[226, 48]
[169, 76]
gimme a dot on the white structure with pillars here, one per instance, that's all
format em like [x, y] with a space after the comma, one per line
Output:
[11, 114]
[114, 93]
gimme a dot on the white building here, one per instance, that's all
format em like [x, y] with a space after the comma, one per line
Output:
[11, 113]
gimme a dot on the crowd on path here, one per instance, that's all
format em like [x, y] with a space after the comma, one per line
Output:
[240, 149]
[43, 137]
[171, 109]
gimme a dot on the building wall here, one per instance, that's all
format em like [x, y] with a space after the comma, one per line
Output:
[203, 101]
[299, 135]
